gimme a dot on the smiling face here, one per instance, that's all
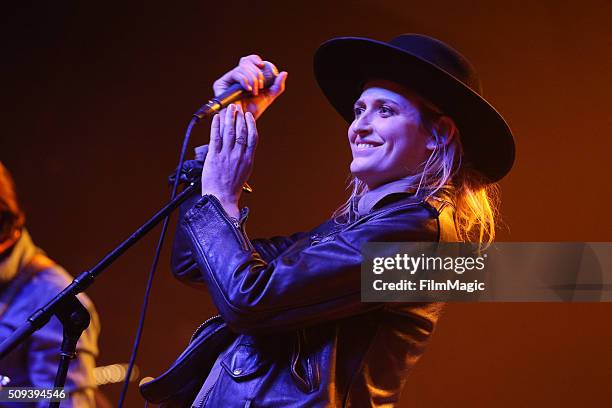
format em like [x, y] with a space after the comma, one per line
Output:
[386, 136]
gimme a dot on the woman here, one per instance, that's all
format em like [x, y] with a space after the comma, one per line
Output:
[292, 330]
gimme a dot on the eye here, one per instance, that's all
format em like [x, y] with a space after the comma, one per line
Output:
[358, 110]
[386, 110]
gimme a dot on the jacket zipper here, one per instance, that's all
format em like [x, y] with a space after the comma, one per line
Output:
[238, 224]
[193, 336]
[240, 234]
[205, 396]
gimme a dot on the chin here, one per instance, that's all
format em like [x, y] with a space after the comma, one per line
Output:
[363, 174]
[360, 166]
[358, 171]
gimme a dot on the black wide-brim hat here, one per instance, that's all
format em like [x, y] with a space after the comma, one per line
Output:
[434, 71]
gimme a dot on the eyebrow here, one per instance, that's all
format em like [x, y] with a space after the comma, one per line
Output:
[378, 101]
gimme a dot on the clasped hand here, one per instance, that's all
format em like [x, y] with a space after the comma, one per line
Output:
[233, 134]
[230, 157]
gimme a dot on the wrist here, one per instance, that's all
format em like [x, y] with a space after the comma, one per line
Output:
[229, 204]
[231, 209]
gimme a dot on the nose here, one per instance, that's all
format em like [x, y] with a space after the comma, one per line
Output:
[361, 126]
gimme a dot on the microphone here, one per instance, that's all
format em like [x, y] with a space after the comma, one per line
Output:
[234, 93]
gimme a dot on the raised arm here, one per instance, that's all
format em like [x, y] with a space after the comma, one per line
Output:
[308, 284]
[229, 161]
[183, 263]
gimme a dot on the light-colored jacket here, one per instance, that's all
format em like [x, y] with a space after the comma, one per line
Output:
[28, 280]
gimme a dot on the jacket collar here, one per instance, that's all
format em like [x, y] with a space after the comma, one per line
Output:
[373, 199]
[19, 256]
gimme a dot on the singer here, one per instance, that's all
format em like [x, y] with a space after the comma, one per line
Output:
[427, 151]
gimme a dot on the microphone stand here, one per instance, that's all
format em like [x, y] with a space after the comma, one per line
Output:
[71, 313]
[65, 305]
[75, 319]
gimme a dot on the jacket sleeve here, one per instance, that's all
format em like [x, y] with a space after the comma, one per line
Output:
[270, 249]
[305, 285]
[184, 266]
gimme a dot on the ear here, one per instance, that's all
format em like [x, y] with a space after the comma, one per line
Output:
[444, 131]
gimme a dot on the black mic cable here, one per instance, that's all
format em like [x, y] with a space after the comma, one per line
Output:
[160, 243]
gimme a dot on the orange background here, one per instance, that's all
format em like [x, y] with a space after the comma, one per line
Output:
[95, 101]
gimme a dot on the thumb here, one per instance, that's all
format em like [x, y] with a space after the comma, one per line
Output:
[278, 87]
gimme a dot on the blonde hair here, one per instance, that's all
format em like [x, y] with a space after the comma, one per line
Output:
[474, 199]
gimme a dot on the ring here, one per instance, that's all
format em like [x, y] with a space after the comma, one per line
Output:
[241, 140]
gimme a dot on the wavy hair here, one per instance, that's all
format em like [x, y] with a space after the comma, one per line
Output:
[444, 173]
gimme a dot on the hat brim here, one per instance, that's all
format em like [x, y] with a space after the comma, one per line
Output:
[343, 65]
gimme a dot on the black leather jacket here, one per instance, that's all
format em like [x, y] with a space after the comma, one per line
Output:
[292, 328]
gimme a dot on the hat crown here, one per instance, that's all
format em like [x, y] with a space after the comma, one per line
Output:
[441, 55]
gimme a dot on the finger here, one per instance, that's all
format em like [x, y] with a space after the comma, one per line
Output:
[216, 142]
[215, 135]
[278, 87]
[229, 128]
[252, 136]
[201, 151]
[241, 131]
[256, 59]
[242, 79]
[249, 71]
[233, 76]
[221, 124]
[222, 83]
[260, 75]
[271, 67]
